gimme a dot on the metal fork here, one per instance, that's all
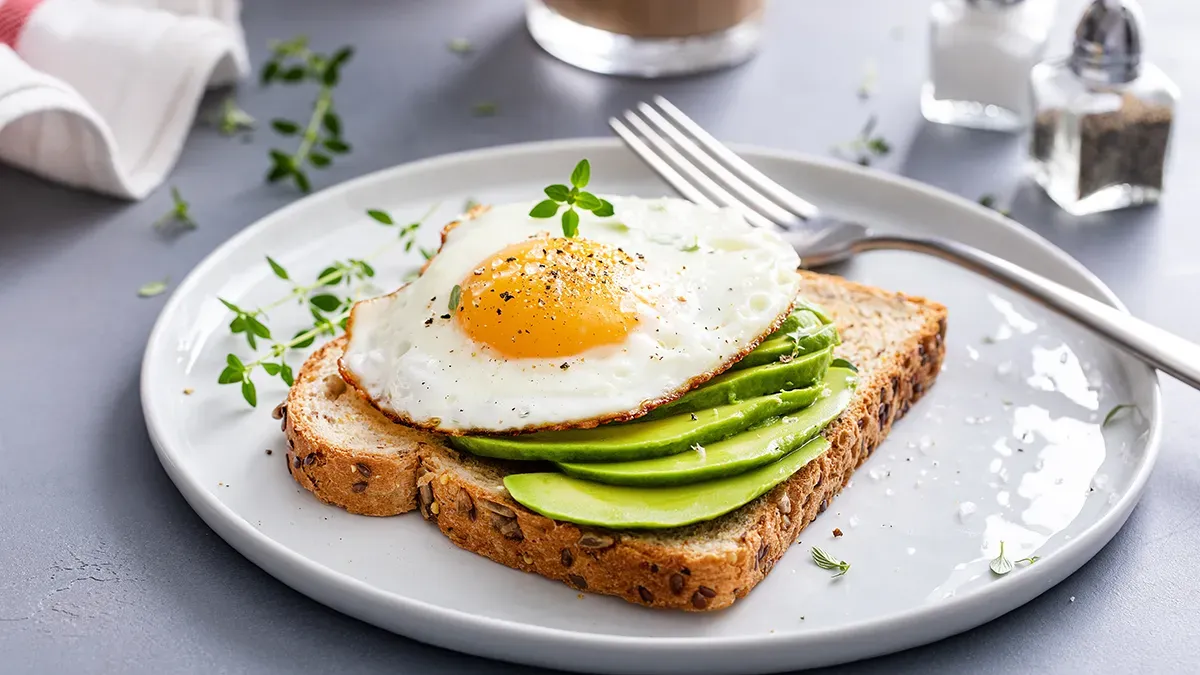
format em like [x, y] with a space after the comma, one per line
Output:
[705, 171]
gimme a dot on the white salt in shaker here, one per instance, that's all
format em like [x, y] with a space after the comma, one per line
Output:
[981, 52]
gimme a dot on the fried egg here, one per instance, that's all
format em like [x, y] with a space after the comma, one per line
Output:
[514, 327]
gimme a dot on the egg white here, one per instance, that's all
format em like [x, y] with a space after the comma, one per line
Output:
[723, 285]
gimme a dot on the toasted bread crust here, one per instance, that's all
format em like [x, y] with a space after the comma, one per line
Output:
[372, 481]
[642, 569]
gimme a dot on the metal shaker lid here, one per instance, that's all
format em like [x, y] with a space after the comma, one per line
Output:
[1108, 41]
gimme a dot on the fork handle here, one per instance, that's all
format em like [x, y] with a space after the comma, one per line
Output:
[1161, 349]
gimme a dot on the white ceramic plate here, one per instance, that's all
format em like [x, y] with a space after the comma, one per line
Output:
[1008, 445]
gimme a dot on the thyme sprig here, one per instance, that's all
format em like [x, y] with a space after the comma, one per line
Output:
[328, 300]
[180, 213]
[292, 62]
[572, 196]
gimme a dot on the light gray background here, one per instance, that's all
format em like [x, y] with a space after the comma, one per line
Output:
[106, 569]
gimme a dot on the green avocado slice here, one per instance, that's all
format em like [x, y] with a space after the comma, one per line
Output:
[640, 440]
[735, 454]
[739, 385]
[584, 502]
[796, 344]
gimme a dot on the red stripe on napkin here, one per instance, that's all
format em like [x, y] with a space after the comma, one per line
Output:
[13, 16]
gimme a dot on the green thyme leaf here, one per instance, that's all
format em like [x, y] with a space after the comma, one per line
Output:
[828, 562]
[153, 288]
[427, 253]
[336, 146]
[692, 247]
[843, 363]
[341, 57]
[365, 267]
[588, 201]
[544, 209]
[257, 327]
[455, 297]
[381, 216]
[988, 200]
[306, 342]
[330, 276]
[272, 369]
[325, 302]
[285, 374]
[249, 393]
[278, 173]
[318, 160]
[230, 375]
[277, 268]
[485, 109]
[460, 46]
[269, 72]
[1001, 565]
[582, 174]
[879, 146]
[1112, 414]
[285, 127]
[557, 192]
[570, 223]
[604, 210]
[333, 123]
[301, 180]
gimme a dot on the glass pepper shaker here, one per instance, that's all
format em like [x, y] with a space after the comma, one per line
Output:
[980, 55]
[1103, 116]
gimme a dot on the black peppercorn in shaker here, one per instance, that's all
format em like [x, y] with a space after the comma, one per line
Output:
[1103, 117]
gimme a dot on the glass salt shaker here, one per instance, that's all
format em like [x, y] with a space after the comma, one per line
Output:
[1103, 116]
[980, 55]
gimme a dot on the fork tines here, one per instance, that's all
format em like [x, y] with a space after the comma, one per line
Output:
[703, 169]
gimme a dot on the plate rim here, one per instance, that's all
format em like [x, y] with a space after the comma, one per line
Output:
[292, 568]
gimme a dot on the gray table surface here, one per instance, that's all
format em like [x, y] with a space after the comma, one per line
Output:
[106, 569]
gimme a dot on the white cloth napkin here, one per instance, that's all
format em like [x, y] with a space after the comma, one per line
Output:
[100, 94]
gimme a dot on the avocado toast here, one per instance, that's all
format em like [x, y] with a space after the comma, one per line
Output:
[350, 455]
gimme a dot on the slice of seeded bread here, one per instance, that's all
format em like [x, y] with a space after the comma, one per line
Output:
[344, 450]
[352, 456]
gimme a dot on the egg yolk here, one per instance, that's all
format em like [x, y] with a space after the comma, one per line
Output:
[550, 297]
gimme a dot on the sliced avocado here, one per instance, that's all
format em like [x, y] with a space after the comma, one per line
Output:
[735, 454]
[641, 440]
[791, 323]
[739, 385]
[807, 306]
[796, 344]
[622, 506]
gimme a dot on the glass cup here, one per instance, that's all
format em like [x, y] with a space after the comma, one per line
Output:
[647, 38]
